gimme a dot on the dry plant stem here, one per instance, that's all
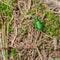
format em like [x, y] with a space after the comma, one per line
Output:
[55, 43]
[41, 57]
[29, 4]
[1, 45]
[30, 35]
[19, 56]
[4, 41]
[14, 36]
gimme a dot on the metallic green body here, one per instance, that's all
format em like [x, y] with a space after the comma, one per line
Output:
[38, 23]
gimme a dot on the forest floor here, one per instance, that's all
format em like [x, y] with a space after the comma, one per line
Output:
[25, 41]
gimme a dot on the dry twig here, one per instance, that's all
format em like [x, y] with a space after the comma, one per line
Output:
[41, 57]
[14, 36]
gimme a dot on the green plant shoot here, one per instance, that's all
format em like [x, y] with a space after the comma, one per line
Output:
[38, 23]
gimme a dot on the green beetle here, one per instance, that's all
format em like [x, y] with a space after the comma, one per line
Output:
[38, 23]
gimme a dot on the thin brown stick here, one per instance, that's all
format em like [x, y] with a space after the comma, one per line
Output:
[41, 57]
[29, 4]
[55, 43]
[4, 41]
[14, 36]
